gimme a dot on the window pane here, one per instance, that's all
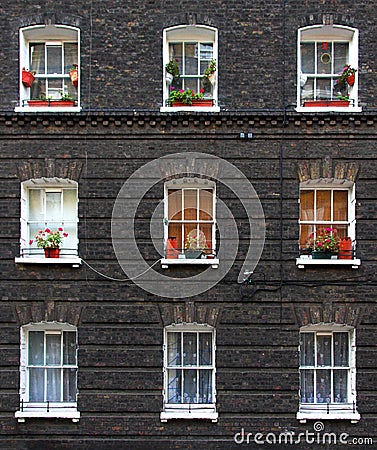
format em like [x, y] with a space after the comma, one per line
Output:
[205, 349]
[307, 91]
[305, 231]
[324, 350]
[36, 348]
[175, 52]
[53, 207]
[341, 349]
[53, 349]
[323, 207]
[307, 386]
[36, 205]
[174, 349]
[174, 386]
[205, 204]
[69, 347]
[174, 204]
[37, 58]
[307, 58]
[69, 204]
[205, 386]
[340, 205]
[190, 204]
[189, 349]
[323, 386]
[191, 59]
[340, 386]
[38, 88]
[54, 88]
[54, 59]
[306, 205]
[324, 58]
[324, 89]
[341, 56]
[70, 56]
[36, 385]
[190, 386]
[53, 385]
[69, 385]
[175, 231]
[307, 349]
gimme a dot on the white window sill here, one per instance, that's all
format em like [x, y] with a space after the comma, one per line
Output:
[49, 109]
[73, 260]
[315, 109]
[306, 260]
[319, 412]
[53, 413]
[189, 413]
[189, 109]
[165, 262]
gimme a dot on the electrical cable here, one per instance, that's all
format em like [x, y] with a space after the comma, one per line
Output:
[118, 279]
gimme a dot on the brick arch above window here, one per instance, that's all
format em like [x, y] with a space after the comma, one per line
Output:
[328, 313]
[35, 312]
[189, 312]
[49, 168]
[316, 170]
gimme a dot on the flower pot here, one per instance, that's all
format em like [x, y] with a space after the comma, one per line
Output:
[74, 75]
[351, 80]
[326, 103]
[212, 78]
[202, 102]
[193, 254]
[322, 255]
[171, 248]
[27, 78]
[345, 248]
[52, 252]
[50, 103]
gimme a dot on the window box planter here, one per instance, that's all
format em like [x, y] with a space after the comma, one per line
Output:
[201, 102]
[326, 103]
[50, 103]
[193, 254]
[323, 255]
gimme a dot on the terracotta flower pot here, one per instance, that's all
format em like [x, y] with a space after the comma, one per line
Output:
[351, 80]
[196, 102]
[27, 78]
[52, 252]
[345, 248]
[74, 75]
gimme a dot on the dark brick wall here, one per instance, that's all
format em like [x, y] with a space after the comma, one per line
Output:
[120, 326]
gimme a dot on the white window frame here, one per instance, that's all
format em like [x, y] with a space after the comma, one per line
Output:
[62, 410]
[47, 34]
[332, 410]
[181, 184]
[36, 256]
[330, 34]
[189, 33]
[189, 410]
[332, 185]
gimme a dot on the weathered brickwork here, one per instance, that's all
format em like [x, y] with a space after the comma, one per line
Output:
[120, 128]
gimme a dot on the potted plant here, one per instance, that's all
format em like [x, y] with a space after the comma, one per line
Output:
[209, 73]
[195, 243]
[74, 74]
[324, 244]
[345, 248]
[172, 70]
[187, 97]
[27, 77]
[50, 241]
[347, 76]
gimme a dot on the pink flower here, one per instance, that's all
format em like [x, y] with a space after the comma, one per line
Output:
[181, 91]
[319, 244]
[31, 241]
[172, 88]
[65, 234]
[60, 229]
[329, 229]
[202, 91]
[47, 230]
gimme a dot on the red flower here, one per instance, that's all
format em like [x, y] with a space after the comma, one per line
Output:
[202, 91]
[31, 241]
[60, 229]
[47, 230]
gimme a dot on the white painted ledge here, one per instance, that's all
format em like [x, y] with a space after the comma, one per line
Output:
[74, 261]
[165, 262]
[304, 261]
